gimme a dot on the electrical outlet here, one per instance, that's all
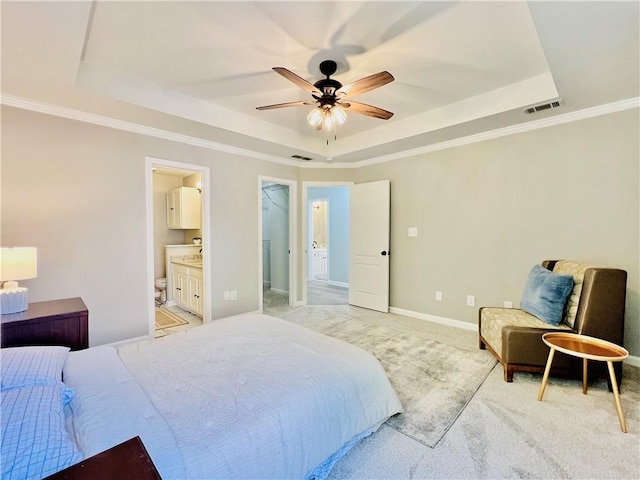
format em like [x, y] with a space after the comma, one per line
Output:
[508, 304]
[413, 231]
[234, 295]
[438, 296]
[471, 301]
[227, 295]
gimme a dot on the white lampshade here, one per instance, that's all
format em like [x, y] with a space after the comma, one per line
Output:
[18, 263]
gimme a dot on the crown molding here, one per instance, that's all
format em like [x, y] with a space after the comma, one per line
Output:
[71, 114]
[55, 110]
[614, 107]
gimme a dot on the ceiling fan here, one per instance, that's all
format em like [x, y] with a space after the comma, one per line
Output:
[332, 97]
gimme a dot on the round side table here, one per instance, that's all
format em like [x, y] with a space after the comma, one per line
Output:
[587, 348]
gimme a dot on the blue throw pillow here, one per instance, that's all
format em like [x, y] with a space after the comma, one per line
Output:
[545, 294]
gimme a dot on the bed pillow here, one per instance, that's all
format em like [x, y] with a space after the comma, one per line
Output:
[35, 442]
[545, 294]
[24, 366]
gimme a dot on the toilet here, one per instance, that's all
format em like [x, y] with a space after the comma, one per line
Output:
[161, 287]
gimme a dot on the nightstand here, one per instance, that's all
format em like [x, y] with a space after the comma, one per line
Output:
[127, 460]
[57, 322]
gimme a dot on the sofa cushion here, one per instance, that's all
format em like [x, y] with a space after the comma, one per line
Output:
[493, 319]
[545, 294]
[576, 270]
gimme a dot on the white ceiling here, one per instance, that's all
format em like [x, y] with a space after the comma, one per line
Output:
[201, 68]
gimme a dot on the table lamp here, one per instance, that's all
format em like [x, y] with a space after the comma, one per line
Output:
[16, 263]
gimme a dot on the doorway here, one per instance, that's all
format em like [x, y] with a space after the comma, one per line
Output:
[326, 243]
[185, 184]
[277, 221]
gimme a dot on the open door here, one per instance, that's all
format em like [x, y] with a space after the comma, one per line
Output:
[369, 215]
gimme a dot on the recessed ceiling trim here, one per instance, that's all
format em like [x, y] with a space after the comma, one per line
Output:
[512, 130]
[57, 111]
[532, 90]
[136, 91]
[25, 104]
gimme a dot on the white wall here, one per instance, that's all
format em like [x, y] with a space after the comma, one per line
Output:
[487, 212]
[76, 191]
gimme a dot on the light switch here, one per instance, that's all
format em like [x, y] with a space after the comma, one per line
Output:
[413, 231]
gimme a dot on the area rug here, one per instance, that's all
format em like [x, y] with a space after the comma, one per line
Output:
[434, 381]
[166, 319]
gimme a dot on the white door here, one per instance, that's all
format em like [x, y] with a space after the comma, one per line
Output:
[369, 215]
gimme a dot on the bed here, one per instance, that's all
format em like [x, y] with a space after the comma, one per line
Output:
[250, 396]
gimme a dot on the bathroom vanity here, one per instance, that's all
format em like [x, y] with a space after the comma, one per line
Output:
[187, 283]
[184, 275]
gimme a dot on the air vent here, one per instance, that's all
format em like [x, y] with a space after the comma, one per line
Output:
[300, 157]
[544, 106]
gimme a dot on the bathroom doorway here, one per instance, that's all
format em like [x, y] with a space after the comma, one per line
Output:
[178, 228]
[327, 243]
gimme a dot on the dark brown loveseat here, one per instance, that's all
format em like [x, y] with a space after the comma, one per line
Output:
[595, 307]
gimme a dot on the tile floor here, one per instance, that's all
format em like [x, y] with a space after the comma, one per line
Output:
[194, 321]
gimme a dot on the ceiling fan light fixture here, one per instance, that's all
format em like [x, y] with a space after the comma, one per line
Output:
[339, 115]
[326, 117]
[315, 116]
[328, 122]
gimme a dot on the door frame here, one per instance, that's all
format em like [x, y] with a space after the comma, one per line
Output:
[305, 223]
[205, 172]
[293, 228]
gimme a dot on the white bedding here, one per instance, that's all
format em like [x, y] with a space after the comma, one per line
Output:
[250, 396]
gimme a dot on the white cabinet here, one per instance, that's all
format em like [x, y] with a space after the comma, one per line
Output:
[319, 264]
[194, 287]
[183, 208]
[180, 292]
[187, 288]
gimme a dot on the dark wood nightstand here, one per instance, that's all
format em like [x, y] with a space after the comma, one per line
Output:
[127, 460]
[57, 322]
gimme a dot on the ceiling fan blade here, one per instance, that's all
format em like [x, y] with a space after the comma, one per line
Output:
[299, 81]
[365, 84]
[283, 105]
[368, 110]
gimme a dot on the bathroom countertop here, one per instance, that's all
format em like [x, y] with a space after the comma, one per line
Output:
[193, 260]
[188, 263]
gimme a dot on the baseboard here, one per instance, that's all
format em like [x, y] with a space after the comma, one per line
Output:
[119, 343]
[282, 292]
[435, 319]
[338, 284]
[632, 360]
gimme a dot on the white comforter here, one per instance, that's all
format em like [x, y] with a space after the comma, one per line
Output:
[250, 396]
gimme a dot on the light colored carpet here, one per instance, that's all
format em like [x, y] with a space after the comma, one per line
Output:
[166, 319]
[504, 432]
[323, 293]
[434, 381]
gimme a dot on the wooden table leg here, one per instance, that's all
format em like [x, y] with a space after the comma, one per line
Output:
[616, 396]
[546, 374]
[584, 376]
